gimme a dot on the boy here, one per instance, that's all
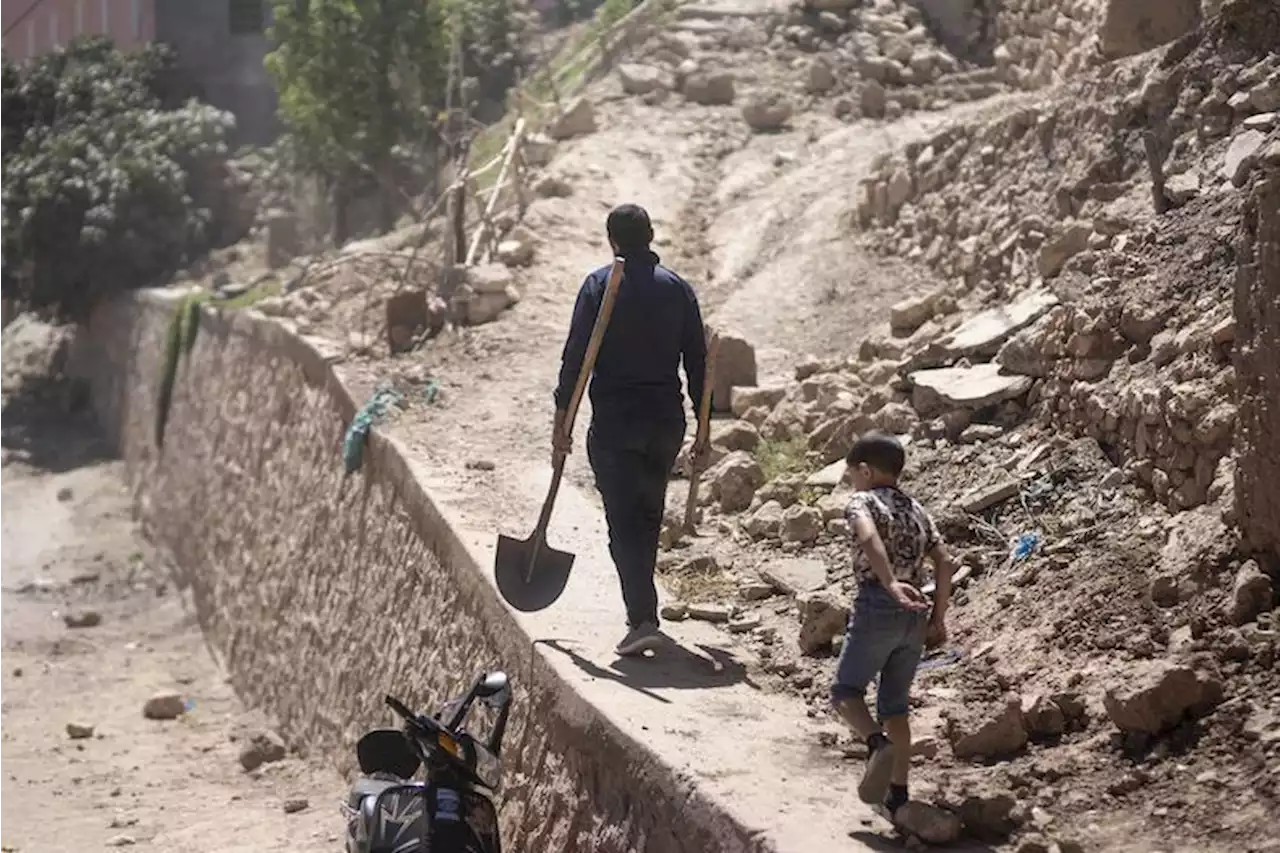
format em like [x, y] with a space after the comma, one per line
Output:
[891, 623]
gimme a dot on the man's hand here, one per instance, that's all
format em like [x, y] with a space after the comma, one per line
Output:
[700, 451]
[936, 634]
[561, 445]
[908, 597]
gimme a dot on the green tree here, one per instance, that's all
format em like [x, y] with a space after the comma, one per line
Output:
[109, 181]
[360, 83]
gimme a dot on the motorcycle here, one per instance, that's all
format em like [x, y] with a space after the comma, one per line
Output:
[448, 811]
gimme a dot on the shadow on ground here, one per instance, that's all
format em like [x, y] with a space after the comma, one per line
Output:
[670, 666]
[48, 424]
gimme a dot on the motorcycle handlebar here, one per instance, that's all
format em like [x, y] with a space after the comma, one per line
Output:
[401, 709]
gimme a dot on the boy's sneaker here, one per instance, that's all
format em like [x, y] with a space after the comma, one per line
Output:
[638, 639]
[875, 776]
[894, 800]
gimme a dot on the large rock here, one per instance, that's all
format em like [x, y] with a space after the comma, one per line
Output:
[1136, 26]
[911, 313]
[765, 522]
[735, 480]
[164, 706]
[947, 388]
[822, 619]
[977, 733]
[1060, 248]
[710, 88]
[801, 523]
[259, 748]
[578, 119]
[767, 112]
[982, 334]
[1241, 156]
[283, 240]
[927, 822]
[735, 366]
[735, 435]
[1251, 594]
[820, 78]
[744, 399]
[796, 576]
[1154, 697]
[642, 79]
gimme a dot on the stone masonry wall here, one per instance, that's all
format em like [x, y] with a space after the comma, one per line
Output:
[323, 594]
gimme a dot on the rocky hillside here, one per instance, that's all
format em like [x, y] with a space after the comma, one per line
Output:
[1071, 402]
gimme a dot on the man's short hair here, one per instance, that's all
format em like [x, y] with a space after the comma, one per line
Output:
[629, 228]
[879, 450]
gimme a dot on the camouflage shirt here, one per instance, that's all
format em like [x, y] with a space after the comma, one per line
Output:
[905, 528]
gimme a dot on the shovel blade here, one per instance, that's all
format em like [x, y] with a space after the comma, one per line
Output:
[530, 588]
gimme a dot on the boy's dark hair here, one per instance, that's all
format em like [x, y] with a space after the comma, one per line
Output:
[629, 228]
[880, 451]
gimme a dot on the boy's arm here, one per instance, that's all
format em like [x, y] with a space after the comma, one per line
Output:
[944, 567]
[693, 349]
[864, 531]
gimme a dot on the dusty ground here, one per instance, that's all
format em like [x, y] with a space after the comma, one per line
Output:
[70, 547]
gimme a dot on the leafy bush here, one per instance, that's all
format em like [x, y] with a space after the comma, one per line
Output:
[109, 182]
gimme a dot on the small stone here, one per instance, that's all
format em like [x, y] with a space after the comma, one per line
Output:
[755, 591]
[796, 576]
[977, 433]
[121, 841]
[709, 88]
[79, 731]
[767, 112]
[675, 611]
[975, 735]
[1111, 480]
[744, 624]
[481, 465]
[164, 706]
[577, 119]
[261, 747]
[295, 805]
[82, 618]
[65, 494]
[710, 612]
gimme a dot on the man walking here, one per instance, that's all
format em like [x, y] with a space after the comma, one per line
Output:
[637, 422]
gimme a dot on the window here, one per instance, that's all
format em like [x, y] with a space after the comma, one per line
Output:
[246, 17]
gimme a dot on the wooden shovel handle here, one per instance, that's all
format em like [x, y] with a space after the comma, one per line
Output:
[704, 426]
[580, 387]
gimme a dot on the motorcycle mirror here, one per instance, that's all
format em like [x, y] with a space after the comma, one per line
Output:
[492, 684]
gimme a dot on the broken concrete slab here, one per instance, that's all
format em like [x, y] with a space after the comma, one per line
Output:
[984, 333]
[829, 476]
[795, 576]
[985, 497]
[947, 388]
[1241, 155]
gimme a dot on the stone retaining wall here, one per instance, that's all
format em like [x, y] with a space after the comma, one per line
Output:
[323, 593]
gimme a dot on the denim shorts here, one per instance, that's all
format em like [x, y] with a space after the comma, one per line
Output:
[883, 640]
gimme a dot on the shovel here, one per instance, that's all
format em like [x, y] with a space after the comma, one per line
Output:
[530, 575]
[704, 426]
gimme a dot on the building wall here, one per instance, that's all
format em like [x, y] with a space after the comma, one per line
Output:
[33, 27]
[226, 65]
[221, 44]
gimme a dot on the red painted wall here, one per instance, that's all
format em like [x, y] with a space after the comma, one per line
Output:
[33, 27]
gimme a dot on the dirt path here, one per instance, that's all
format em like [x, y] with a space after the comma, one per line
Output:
[69, 546]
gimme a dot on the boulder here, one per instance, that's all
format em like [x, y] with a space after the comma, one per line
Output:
[911, 313]
[801, 523]
[283, 241]
[735, 366]
[1136, 26]
[552, 186]
[406, 318]
[874, 99]
[1060, 248]
[765, 522]
[977, 733]
[490, 278]
[1251, 594]
[515, 253]
[744, 399]
[929, 823]
[973, 388]
[1153, 697]
[982, 334]
[642, 79]
[767, 112]
[735, 435]
[820, 78]
[822, 619]
[1042, 716]
[735, 480]
[578, 119]
[796, 576]
[709, 88]
[1241, 155]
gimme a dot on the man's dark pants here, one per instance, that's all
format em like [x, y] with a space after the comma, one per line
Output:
[632, 461]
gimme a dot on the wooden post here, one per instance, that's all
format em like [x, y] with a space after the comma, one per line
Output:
[487, 216]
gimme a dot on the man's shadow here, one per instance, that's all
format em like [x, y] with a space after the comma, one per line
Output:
[891, 840]
[671, 666]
